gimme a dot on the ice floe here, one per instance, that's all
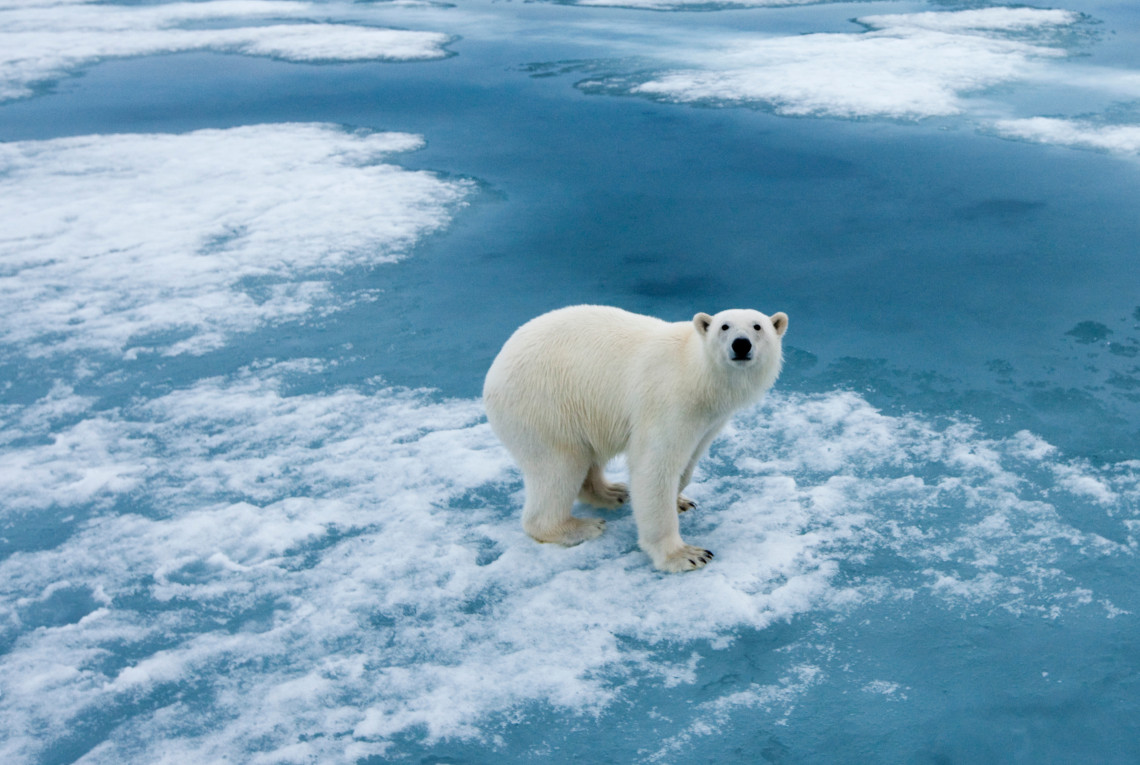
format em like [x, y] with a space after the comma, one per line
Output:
[44, 40]
[174, 242]
[904, 66]
[1122, 139]
[255, 574]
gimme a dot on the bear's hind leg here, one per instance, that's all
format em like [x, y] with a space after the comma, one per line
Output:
[550, 490]
[599, 492]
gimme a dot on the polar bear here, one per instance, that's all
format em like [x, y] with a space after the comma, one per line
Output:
[575, 387]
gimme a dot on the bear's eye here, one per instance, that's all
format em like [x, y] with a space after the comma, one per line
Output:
[756, 327]
[724, 328]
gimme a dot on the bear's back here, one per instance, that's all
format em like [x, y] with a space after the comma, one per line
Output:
[596, 329]
[573, 370]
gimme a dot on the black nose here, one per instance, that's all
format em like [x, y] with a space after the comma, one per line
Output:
[741, 347]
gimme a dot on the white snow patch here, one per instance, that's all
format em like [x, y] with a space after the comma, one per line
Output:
[43, 40]
[128, 243]
[1119, 139]
[905, 66]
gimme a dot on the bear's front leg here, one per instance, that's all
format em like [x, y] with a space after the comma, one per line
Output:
[684, 504]
[653, 493]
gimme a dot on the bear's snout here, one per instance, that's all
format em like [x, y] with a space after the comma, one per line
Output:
[741, 349]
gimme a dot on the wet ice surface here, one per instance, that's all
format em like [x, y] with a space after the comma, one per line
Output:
[251, 510]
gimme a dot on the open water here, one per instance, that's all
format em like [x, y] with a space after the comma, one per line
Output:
[256, 256]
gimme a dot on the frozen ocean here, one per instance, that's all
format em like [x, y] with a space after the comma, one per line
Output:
[257, 255]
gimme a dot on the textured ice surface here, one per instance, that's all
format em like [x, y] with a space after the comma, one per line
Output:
[242, 571]
[171, 242]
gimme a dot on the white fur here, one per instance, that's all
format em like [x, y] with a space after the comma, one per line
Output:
[575, 387]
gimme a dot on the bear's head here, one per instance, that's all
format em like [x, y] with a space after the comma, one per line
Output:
[743, 339]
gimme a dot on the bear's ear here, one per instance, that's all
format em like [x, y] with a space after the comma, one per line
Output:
[780, 323]
[702, 321]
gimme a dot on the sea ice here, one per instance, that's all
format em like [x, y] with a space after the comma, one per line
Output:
[173, 242]
[351, 561]
[44, 40]
[905, 66]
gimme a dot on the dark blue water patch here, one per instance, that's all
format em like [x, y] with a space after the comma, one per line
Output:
[220, 242]
[1129, 384]
[44, 528]
[1088, 332]
[84, 733]
[1007, 211]
[65, 605]
[309, 554]
[113, 384]
[1088, 410]
[487, 601]
[1129, 350]
[929, 685]
[967, 702]
[494, 500]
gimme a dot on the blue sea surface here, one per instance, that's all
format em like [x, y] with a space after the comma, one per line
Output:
[255, 260]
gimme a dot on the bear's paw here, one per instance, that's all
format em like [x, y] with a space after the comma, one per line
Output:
[687, 558]
[572, 531]
[603, 494]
